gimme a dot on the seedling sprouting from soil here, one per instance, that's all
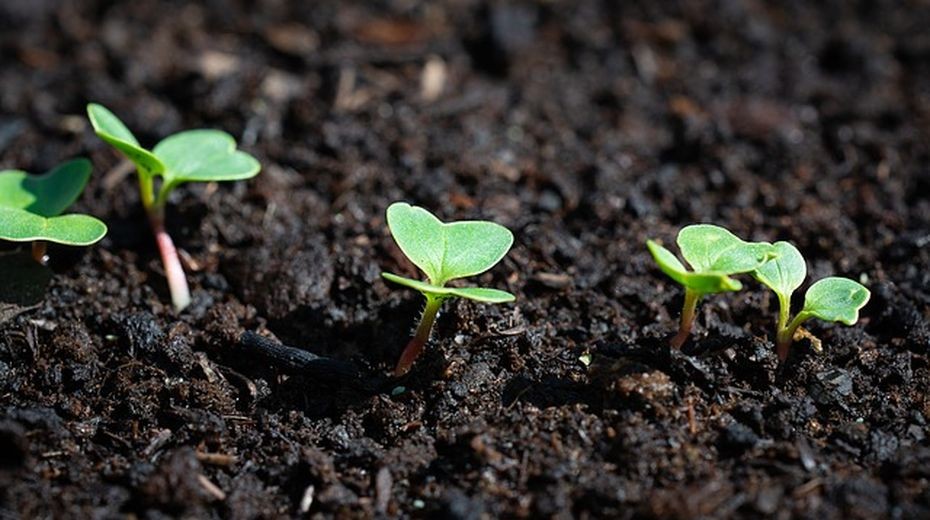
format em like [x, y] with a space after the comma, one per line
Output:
[830, 299]
[190, 156]
[444, 252]
[714, 254]
[31, 208]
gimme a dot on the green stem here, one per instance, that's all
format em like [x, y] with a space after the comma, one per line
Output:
[784, 309]
[688, 312]
[163, 191]
[147, 191]
[420, 337]
[785, 336]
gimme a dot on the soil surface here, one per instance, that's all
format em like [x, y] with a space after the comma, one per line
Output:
[585, 127]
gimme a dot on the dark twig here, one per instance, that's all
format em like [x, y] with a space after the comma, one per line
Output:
[301, 362]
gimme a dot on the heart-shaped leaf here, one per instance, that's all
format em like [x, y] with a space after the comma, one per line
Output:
[480, 294]
[835, 299]
[447, 251]
[47, 195]
[784, 273]
[190, 156]
[19, 225]
[709, 248]
[109, 128]
[204, 156]
[701, 283]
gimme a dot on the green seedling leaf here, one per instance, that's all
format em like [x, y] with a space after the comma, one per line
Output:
[190, 156]
[31, 206]
[836, 299]
[447, 251]
[713, 249]
[109, 128]
[714, 253]
[784, 273]
[702, 283]
[444, 252]
[204, 156]
[18, 225]
[47, 195]
[472, 293]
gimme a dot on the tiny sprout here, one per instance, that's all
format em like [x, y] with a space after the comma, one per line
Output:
[829, 299]
[190, 156]
[714, 253]
[31, 208]
[444, 252]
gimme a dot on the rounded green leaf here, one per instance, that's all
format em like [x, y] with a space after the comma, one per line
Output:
[483, 295]
[473, 247]
[472, 293]
[419, 235]
[18, 225]
[447, 251]
[668, 262]
[204, 156]
[784, 273]
[709, 248]
[702, 283]
[836, 299]
[48, 194]
[109, 128]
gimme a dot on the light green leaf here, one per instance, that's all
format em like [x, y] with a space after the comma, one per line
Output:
[484, 295]
[473, 293]
[18, 225]
[420, 236]
[709, 248]
[204, 156]
[48, 194]
[702, 283]
[835, 299]
[784, 273]
[473, 247]
[447, 251]
[109, 128]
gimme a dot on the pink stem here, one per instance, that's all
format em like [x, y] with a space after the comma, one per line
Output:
[174, 271]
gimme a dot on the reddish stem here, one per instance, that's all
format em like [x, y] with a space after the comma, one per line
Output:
[40, 252]
[785, 337]
[174, 271]
[688, 312]
[420, 337]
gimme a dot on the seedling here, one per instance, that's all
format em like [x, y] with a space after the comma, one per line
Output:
[190, 156]
[830, 299]
[714, 254]
[31, 208]
[444, 252]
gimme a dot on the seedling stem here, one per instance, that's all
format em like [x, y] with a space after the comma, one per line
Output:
[420, 337]
[174, 271]
[40, 252]
[785, 335]
[688, 312]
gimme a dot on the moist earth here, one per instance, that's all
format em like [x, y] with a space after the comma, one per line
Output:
[585, 127]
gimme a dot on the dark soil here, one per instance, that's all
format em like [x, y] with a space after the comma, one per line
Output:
[585, 127]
